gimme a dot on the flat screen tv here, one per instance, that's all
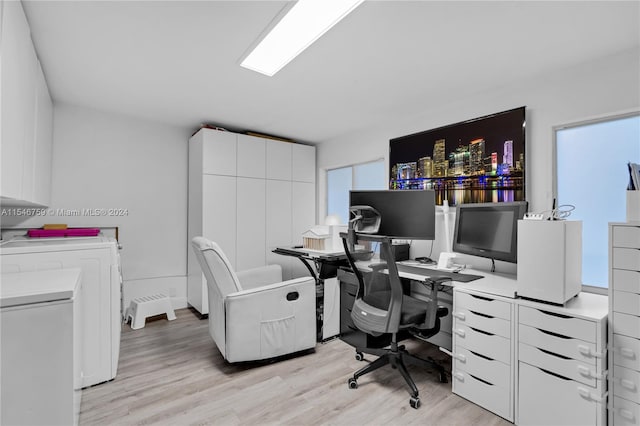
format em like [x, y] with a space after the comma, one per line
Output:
[407, 215]
[474, 161]
[488, 230]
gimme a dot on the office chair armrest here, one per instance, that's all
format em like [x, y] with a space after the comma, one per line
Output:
[261, 276]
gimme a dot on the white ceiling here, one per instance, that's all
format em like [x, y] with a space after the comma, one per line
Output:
[177, 62]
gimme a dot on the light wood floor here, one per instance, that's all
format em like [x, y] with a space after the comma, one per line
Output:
[172, 373]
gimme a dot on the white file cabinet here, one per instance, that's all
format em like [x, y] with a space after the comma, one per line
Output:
[483, 356]
[562, 377]
[624, 330]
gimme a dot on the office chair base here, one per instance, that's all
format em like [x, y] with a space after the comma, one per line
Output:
[398, 358]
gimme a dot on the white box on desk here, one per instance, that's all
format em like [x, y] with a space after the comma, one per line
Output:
[549, 259]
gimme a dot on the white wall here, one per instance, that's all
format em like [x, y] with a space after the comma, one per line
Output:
[604, 87]
[102, 160]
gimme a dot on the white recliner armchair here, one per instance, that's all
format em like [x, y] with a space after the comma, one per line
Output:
[253, 314]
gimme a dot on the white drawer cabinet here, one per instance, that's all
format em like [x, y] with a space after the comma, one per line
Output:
[624, 327]
[483, 350]
[562, 362]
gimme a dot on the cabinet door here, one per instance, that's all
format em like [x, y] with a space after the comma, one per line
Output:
[251, 156]
[278, 160]
[303, 163]
[251, 232]
[219, 153]
[303, 209]
[278, 220]
[18, 97]
[219, 213]
[43, 141]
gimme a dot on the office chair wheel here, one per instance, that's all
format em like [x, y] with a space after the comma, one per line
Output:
[359, 356]
[414, 402]
[352, 383]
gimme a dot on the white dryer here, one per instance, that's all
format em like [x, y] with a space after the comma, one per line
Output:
[99, 260]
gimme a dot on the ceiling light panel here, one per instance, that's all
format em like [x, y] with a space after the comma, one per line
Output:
[305, 22]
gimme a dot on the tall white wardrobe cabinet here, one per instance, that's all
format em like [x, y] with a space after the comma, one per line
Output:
[249, 195]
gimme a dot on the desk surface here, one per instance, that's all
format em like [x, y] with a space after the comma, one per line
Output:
[492, 282]
[300, 251]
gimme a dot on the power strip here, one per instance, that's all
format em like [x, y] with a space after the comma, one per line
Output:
[533, 216]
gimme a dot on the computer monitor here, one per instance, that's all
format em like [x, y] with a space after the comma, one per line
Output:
[406, 215]
[489, 230]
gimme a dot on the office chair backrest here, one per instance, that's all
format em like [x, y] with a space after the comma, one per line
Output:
[215, 266]
[378, 305]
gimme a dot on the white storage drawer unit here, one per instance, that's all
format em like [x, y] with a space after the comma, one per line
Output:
[562, 362]
[99, 260]
[483, 350]
[624, 327]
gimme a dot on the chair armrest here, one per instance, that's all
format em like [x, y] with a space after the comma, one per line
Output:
[261, 276]
[256, 291]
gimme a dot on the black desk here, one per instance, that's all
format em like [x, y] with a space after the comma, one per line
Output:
[321, 265]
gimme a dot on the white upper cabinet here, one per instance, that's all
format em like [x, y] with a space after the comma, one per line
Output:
[27, 113]
[304, 163]
[219, 153]
[251, 157]
[279, 160]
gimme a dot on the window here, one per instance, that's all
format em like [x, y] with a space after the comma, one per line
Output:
[359, 176]
[592, 175]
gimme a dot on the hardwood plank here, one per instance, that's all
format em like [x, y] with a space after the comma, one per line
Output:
[172, 373]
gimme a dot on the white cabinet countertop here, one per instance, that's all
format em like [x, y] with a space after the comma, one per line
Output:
[23, 288]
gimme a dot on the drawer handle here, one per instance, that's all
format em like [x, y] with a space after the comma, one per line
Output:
[553, 354]
[627, 353]
[481, 298]
[459, 376]
[460, 357]
[460, 315]
[586, 351]
[482, 331]
[481, 314]
[459, 332]
[551, 333]
[588, 396]
[554, 374]
[554, 314]
[626, 414]
[628, 384]
[480, 380]
[589, 374]
[482, 356]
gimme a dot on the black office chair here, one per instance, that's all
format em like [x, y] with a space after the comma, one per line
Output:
[382, 307]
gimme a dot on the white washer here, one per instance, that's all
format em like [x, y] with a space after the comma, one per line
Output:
[40, 347]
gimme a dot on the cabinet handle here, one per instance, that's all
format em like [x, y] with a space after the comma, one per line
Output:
[460, 315]
[627, 414]
[459, 332]
[482, 356]
[481, 298]
[481, 331]
[459, 376]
